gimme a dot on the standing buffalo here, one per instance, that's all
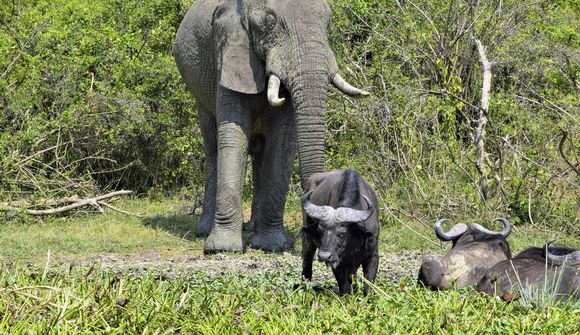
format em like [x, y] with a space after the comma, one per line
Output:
[556, 269]
[342, 220]
[475, 249]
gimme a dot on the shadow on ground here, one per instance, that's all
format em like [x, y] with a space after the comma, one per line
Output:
[180, 225]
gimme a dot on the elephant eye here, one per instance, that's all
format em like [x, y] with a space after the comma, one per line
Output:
[270, 21]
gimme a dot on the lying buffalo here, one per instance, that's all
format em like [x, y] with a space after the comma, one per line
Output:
[556, 269]
[474, 250]
[341, 219]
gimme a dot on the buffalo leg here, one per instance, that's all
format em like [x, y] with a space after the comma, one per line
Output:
[370, 268]
[345, 278]
[308, 251]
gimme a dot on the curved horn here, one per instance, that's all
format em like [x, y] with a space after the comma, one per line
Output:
[323, 213]
[347, 88]
[570, 258]
[345, 214]
[273, 91]
[454, 233]
[507, 228]
[370, 206]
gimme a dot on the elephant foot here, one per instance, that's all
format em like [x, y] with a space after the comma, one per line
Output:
[203, 229]
[271, 240]
[204, 226]
[221, 239]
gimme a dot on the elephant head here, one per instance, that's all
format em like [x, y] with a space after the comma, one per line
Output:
[284, 43]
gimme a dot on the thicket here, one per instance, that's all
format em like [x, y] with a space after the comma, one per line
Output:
[91, 100]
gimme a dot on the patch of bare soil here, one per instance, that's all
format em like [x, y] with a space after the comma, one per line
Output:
[392, 267]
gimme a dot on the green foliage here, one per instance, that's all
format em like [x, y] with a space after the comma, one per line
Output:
[82, 300]
[90, 99]
[414, 136]
[94, 87]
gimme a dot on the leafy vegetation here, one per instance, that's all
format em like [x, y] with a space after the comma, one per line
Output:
[414, 136]
[91, 101]
[80, 300]
[124, 274]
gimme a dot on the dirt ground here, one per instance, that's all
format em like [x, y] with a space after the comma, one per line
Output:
[169, 264]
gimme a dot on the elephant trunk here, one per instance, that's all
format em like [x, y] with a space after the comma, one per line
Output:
[309, 90]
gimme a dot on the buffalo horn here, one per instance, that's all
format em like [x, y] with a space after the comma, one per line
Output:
[570, 258]
[345, 214]
[454, 233]
[507, 228]
[323, 213]
[273, 91]
[347, 88]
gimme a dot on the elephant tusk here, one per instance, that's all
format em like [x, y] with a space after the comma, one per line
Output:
[347, 88]
[273, 90]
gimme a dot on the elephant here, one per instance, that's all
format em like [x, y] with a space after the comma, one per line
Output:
[259, 71]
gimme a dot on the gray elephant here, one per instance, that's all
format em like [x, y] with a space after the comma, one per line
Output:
[226, 52]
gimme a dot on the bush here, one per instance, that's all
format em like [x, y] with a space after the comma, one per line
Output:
[414, 136]
[91, 100]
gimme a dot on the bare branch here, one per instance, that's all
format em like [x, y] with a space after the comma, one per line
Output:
[79, 203]
[118, 210]
[561, 149]
[483, 111]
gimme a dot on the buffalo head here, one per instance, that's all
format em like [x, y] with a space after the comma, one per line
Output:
[335, 226]
[474, 250]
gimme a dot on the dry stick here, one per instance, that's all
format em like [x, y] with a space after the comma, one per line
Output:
[561, 149]
[41, 202]
[117, 209]
[25, 159]
[483, 111]
[530, 214]
[80, 203]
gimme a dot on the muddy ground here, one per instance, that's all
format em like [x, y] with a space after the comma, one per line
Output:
[392, 267]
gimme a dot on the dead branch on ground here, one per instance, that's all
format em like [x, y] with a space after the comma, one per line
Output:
[73, 203]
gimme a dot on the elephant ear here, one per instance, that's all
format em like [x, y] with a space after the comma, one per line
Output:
[239, 68]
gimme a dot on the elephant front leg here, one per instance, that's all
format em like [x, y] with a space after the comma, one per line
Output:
[232, 146]
[275, 172]
[257, 151]
[207, 124]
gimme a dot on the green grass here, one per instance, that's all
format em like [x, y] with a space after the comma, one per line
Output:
[161, 227]
[59, 296]
[84, 301]
[164, 226]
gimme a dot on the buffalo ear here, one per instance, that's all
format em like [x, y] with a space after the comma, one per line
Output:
[239, 68]
[310, 229]
[367, 227]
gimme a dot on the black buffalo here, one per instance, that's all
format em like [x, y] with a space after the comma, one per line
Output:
[341, 219]
[556, 269]
[474, 250]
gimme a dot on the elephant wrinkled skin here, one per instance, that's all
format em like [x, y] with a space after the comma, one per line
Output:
[259, 70]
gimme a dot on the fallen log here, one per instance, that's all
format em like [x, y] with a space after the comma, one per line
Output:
[96, 202]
